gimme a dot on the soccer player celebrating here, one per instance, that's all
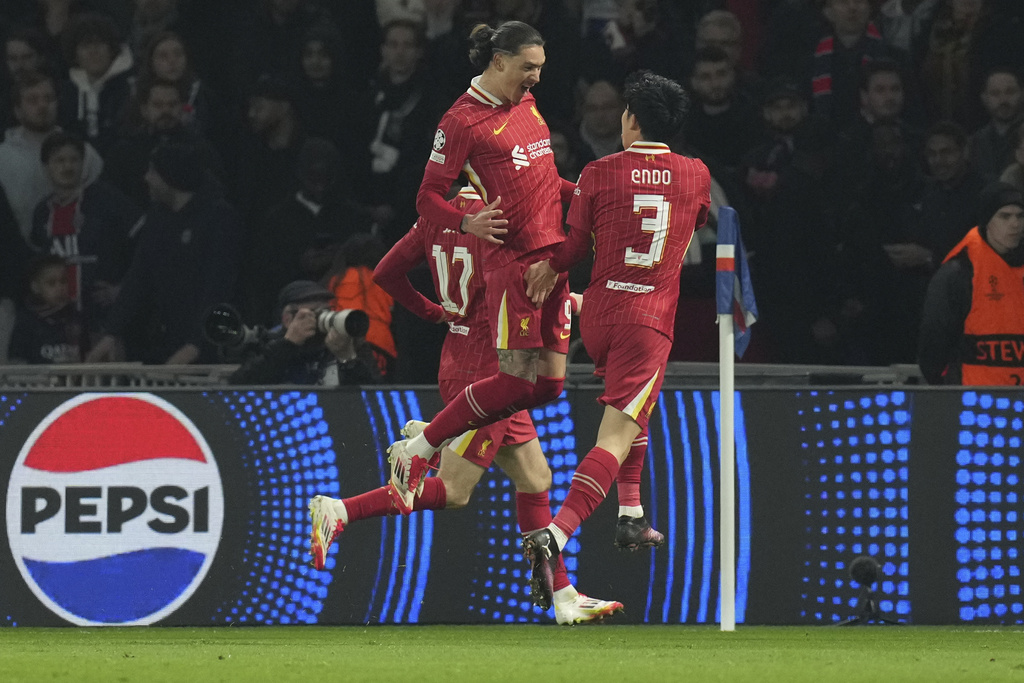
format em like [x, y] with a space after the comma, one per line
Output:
[641, 206]
[495, 135]
[454, 260]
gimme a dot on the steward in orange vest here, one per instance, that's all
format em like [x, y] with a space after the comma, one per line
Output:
[972, 327]
[351, 282]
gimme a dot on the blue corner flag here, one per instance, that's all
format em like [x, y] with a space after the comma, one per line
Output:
[734, 292]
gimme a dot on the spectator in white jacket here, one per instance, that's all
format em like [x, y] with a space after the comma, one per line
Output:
[22, 175]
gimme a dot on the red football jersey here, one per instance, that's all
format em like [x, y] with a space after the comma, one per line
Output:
[455, 262]
[505, 150]
[641, 206]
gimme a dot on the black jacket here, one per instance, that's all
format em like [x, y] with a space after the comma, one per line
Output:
[279, 361]
[103, 243]
[949, 300]
[186, 262]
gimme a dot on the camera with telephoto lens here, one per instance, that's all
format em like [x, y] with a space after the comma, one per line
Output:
[223, 326]
[350, 322]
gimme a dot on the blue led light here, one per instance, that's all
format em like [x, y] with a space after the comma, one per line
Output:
[691, 522]
[497, 521]
[851, 468]
[291, 585]
[986, 517]
[709, 508]
[8, 404]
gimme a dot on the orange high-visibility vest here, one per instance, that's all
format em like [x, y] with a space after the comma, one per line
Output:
[992, 350]
[355, 288]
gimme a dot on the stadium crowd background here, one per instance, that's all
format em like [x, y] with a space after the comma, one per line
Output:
[852, 136]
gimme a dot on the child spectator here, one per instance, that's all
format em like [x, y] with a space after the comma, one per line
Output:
[47, 327]
[91, 226]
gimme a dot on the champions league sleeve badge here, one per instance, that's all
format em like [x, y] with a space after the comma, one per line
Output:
[439, 140]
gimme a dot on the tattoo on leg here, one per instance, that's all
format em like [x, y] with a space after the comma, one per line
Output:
[520, 363]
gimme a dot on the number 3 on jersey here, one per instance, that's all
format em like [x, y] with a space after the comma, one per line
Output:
[657, 224]
[444, 268]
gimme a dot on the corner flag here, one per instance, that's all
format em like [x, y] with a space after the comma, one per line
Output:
[734, 292]
[737, 311]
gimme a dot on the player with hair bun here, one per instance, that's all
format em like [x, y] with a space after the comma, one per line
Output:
[496, 136]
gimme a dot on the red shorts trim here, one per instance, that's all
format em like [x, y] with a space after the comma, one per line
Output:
[515, 321]
[479, 446]
[632, 360]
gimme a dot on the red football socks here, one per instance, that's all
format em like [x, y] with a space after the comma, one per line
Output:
[373, 503]
[377, 502]
[627, 481]
[547, 389]
[589, 487]
[482, 403]
[433, 497]
[533, 511]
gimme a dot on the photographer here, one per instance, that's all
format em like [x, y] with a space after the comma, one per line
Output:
[298, 353]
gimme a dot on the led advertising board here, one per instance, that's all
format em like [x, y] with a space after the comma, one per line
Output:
[189, 507]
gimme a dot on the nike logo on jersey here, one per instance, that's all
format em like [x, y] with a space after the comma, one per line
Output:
[519, 158]
[564, 335]
[497, 131]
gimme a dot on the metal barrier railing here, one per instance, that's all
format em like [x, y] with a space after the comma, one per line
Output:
[113, 375]
[137, 375]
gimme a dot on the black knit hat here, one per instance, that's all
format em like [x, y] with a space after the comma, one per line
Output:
[994, 197]
[181, 166]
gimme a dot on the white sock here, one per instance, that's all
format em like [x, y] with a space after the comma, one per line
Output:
[635, 511]
[340, 510]
[567, 594]
[560, 538]
[419, 445]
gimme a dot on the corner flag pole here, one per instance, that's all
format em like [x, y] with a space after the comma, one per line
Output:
[727, 485]
[735, 305]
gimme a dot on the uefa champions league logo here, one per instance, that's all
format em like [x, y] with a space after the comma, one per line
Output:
[114, 509]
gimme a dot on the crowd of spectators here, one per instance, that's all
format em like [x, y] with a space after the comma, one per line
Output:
[174, 154]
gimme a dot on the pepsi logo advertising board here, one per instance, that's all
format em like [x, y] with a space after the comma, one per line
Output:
[187, 507]
[115, 508]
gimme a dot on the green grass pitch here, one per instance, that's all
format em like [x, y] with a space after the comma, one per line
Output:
[420, 654]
